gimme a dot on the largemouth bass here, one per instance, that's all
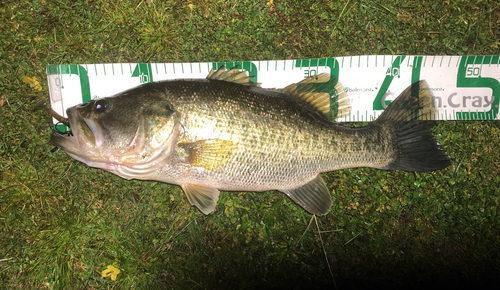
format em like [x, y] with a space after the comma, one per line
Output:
[226, 133]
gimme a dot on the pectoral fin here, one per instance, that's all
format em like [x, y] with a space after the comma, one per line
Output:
[203, 197]
[313, 196]
[208, 154]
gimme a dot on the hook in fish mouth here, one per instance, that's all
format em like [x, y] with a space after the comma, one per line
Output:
[83, 132]
[45, 105]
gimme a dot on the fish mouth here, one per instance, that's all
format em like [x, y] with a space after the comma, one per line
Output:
[95, 135]
[85, 136]
[87, 144]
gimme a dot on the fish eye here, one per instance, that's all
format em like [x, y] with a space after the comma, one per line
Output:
[101, 106]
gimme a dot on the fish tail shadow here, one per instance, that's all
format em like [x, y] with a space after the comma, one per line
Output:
[409, 119]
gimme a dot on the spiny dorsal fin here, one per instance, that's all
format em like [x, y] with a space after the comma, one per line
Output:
[232, 75]
[320, 93]
[208, 154]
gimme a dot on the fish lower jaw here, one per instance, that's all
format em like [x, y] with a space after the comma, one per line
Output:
[112, 167]
[130, 166]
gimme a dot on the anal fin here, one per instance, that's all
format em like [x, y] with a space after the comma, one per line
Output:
[203, 197]
[313, 196]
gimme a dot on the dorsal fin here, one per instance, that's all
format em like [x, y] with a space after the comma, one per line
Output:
[343, 100]
[320, 93]
[232, 75]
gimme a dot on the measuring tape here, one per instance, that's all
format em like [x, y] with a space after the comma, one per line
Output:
[464, 87]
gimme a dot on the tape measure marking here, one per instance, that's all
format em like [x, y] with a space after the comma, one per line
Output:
[465, 87]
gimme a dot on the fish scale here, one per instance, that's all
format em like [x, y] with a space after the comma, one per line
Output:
[268, 161]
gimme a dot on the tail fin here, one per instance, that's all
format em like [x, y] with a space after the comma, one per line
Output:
[409, 117]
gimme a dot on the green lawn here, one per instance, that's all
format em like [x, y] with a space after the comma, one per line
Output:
[63, 223]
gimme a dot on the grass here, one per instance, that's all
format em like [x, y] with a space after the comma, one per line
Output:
[62, 223]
